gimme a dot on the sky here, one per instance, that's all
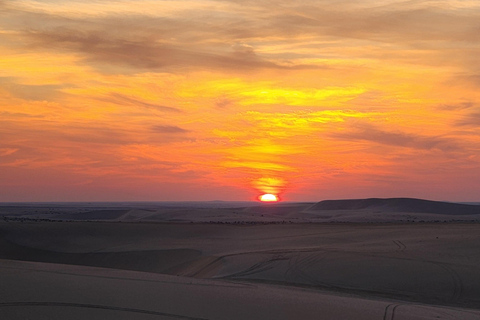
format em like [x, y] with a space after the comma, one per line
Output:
[150, 100]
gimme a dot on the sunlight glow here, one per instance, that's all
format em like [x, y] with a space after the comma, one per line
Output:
[268, 198]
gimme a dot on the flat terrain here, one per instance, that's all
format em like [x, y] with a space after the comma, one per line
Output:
[275, 270]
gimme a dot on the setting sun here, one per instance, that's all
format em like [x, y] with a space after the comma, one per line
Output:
[268, 198]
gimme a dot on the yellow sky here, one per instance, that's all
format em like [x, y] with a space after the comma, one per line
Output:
[203, 100]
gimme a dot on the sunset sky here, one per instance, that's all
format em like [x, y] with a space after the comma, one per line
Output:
[118, 100]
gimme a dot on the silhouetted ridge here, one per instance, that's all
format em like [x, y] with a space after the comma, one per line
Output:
[399, 205]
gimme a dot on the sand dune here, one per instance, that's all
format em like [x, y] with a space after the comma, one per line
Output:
[361, 210]
[165, 270]
[51, 291]
[399, 205]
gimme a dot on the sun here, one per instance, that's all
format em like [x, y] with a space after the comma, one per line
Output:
[268, 197]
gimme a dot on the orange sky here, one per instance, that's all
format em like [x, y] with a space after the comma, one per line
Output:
[203, 100]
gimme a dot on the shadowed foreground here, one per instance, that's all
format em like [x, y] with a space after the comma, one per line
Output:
[111, 270]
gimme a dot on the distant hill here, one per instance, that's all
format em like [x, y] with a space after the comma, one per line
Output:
[398, 205]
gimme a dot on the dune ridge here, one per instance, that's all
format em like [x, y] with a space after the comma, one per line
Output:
[411, 205]
[353, 210]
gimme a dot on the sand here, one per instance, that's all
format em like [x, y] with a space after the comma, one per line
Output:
[399, 210]
[236, 270]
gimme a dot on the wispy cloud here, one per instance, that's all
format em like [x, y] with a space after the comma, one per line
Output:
[7, 151]
[31, 92]
[471, 119]
[168, 129]
[148, 51]
[122, 99]
[456, 106]
[397, 138]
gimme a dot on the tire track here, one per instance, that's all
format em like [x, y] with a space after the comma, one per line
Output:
[448, 311]
[254, 269]
[400, 245]
[301, 266]
[203, 268]
[442, 312]
[265, 265]
[456, 280]
[94, 306]
[294, 270]
[390, 311]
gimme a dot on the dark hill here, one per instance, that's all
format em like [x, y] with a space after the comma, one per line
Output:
[399, 205]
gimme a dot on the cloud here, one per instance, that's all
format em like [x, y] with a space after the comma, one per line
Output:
[238, 37]
[121, 99]
[148, 53]
[6, 114]
[472, 119]
[223, 102]
[470, 79]
[31, 92]
[390, 21]
[146, 41]
[168, 129]
[456, 106]
[7, 151]
[397, 138]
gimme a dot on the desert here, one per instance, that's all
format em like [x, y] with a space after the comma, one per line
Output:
[257, 160]
[249, 261]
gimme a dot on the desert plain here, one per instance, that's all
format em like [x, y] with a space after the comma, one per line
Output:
[402, 259]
